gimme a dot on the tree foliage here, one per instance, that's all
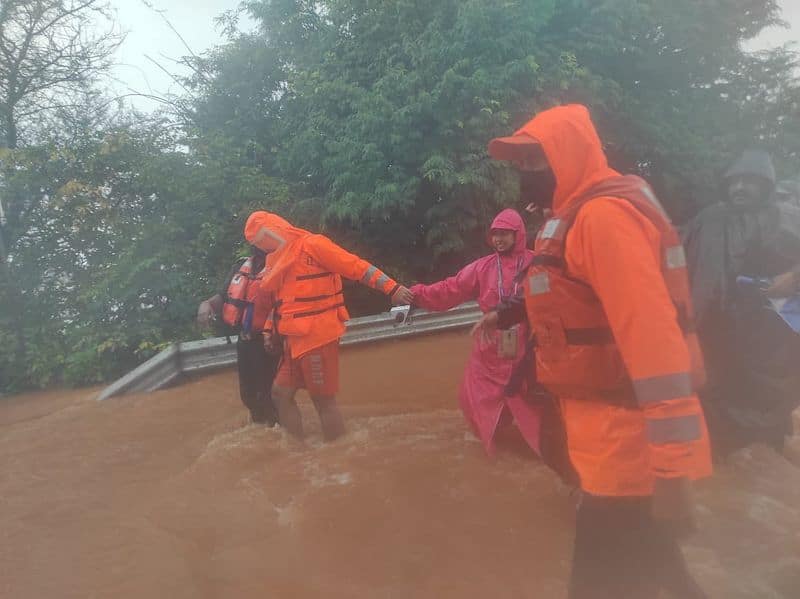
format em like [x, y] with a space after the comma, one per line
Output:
[50, 51]
[115, 236]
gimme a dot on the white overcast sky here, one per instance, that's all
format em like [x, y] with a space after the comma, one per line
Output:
[149, 35]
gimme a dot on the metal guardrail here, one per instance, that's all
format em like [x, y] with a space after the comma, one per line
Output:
[209, 354]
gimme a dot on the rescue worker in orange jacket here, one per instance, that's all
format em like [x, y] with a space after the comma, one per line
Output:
[235, 305]
[305, 277]
[607, 301]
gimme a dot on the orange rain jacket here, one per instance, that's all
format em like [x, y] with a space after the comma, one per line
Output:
[615, 251]
[305, 278]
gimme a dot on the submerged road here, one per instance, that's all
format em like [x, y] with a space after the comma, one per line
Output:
[171, 494]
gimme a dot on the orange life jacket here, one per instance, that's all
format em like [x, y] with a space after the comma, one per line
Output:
[576, 355]
[311, 295]
[238, 307]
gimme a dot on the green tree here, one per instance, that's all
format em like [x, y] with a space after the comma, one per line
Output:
[380, 111]
[119, 230]
[673, 89]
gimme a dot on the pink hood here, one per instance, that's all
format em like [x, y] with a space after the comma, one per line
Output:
[510, 219]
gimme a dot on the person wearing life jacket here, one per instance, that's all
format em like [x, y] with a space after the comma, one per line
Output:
[240, 314]
[305, 278]
[489, 280]
[607, 301]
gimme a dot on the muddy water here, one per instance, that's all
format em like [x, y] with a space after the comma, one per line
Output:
[170, 495]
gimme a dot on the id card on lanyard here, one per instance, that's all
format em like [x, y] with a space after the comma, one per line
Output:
[508, 343]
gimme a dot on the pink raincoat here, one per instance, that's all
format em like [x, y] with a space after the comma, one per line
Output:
[482, 395]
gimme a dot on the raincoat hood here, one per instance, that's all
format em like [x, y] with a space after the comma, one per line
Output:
[572, 147]
[262, 225]
[511, 220]
[757, 163]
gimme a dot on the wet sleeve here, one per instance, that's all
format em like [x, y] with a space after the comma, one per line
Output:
[350, 266]
[617, 250]
[450, 292]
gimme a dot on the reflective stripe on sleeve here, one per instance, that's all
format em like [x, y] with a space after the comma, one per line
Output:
[680, 429]
[381, 282]
[663, 388]
[369, 274]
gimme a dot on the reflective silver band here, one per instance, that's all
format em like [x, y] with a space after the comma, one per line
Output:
[681, 429]
[552, 229]
[539, 283]
[369, 274]
[663, 388]
[381, 282]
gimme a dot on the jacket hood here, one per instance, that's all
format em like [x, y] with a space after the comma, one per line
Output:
[757, 163]
[572, 147]
[262, 225]
[510, 219]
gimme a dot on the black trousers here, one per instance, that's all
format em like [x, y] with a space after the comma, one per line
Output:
[257, 370]
[621, 552]
[553, 439]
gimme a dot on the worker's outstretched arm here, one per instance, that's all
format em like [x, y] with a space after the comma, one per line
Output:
[337, 260]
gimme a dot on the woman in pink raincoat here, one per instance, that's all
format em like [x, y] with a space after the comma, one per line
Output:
[488, 280]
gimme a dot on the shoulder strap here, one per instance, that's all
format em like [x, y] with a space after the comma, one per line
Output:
[626, 187]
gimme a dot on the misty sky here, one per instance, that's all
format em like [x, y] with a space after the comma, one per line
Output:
[149, 35]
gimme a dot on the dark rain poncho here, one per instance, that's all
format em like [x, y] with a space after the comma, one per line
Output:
[752, 357]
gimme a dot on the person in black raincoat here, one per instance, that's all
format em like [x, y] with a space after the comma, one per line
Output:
[752, 356]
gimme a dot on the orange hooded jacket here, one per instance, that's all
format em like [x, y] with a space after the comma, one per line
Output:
[304, 276]
[617, 251]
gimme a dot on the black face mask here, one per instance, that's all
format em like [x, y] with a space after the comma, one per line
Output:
[257, 253]
[537, 187]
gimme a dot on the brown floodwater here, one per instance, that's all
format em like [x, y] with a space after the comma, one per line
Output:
[172, 494]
